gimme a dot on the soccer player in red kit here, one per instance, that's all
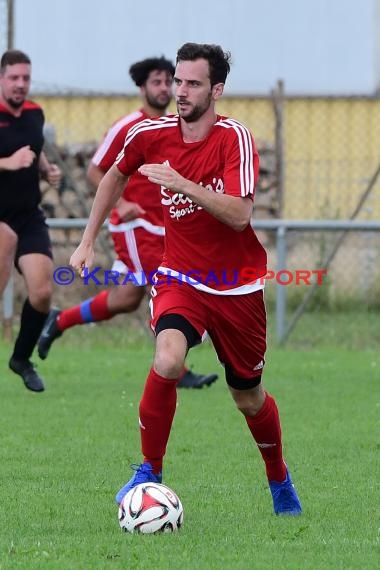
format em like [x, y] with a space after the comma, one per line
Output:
[207, 167]
[136, 223]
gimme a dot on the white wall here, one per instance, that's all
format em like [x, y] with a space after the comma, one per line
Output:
[316, 47]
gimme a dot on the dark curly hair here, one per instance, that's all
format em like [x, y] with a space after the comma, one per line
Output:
[140, 70]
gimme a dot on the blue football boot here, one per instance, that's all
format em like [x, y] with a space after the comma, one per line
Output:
[285, 498]
[143, 474]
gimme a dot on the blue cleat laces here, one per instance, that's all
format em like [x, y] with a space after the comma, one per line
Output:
[143, 474]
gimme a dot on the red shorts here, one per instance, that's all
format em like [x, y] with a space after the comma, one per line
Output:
[236, 324]
[138, 251]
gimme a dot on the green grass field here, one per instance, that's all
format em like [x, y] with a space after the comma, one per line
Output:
[65, 453]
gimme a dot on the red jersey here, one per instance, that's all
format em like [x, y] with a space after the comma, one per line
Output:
[139, 189]
[197, 245]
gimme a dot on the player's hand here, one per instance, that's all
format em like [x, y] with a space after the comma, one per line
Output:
[128, 210]
[22, 158]
[164, 175]
[82, 258]
[53, 175]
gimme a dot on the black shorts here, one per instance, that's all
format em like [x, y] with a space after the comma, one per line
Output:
[32, 232]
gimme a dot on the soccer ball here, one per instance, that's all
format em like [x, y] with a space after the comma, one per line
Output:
[149, 508]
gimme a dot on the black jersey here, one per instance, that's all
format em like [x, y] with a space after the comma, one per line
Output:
[20, 189]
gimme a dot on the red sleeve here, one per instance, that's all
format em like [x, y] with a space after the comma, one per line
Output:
[241, 162]
[109, 149]
[132, 155]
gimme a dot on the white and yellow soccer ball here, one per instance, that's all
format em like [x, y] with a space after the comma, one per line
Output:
[149, 508]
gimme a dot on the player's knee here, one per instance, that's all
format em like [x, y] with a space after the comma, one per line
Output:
[175, 335]
[40, 297]
[249, 404]
[168, 363]
[125, 298]
[129, 305]
[179, 323]
[247, 393]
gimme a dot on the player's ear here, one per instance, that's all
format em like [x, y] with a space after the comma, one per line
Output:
[217, 90]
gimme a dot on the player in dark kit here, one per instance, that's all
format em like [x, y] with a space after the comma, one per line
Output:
[24, 238]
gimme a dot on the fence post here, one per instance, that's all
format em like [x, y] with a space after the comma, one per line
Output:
[10, 24]
[280, 289]
[8, 311]
[278, 107]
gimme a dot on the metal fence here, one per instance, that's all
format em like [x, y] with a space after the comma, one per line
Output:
[304, 177]
[300, 271]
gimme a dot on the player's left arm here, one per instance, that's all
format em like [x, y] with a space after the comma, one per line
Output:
[51, 172]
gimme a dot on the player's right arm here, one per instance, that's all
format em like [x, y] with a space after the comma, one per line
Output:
[109, 191]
